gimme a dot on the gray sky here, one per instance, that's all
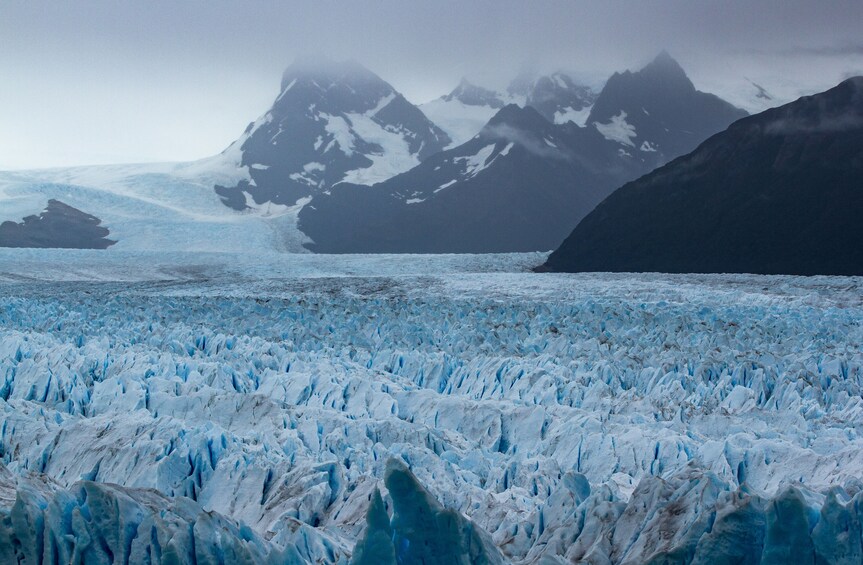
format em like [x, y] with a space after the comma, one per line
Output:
[110, 81]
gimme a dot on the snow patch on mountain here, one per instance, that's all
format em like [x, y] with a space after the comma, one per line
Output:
[270, 210]
[617, 130]
[459, 120]
[394, 157]
[340, 130]
[475, 164]
[578, 117]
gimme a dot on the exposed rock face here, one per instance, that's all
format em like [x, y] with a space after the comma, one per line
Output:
[514, 187]
[59, 225]
[780, 192]
[332, 122]
[656, 114]
[526, 179]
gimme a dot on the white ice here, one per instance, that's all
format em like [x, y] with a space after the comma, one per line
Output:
[563, 414]
[617, 130]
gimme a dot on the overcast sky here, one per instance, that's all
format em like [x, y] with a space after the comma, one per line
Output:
[111, 81]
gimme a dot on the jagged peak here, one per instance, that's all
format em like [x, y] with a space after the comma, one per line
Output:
[667, 67]
[523, 82]
[473, 95]
[523, 118]
[464, 85]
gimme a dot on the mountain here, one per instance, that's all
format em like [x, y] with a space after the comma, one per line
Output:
[520, 184]
[513, 187]
[656, 114]
[780, 192]
[463, 112]
[331, 122]
[59, 225]
[158, 207]
[559, 99]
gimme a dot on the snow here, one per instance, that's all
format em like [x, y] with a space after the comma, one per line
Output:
[570, 114]
[459, 120]
[300, 177]
[162, 206]
[395, 158]
[339, 128]
[617, 130]
[382, 103]
[308, 174]
[271, 210]
[446, 185]
[596, 417]
[414, 200]
[474, 164]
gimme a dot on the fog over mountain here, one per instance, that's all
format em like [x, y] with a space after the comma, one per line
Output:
[181, 79]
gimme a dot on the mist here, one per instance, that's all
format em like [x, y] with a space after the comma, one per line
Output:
[104, 82]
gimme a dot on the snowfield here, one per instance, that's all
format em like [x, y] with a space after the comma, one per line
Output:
[159, 207]
[248, 408]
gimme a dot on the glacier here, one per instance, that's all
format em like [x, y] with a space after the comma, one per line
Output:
[230, 408]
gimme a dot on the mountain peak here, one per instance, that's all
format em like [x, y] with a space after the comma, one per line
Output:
[473, 95]
[666, 67]
[786, 207]
[523, 118]
[321, 68]
[522, 84]
[856, 82]
[664, 58]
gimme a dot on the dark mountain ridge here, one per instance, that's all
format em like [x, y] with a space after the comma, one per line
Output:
[330, 121]
[58, 226]
[780, 192]
[521, 184]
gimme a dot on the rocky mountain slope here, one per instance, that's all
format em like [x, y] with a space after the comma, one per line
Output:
[331, 122]
[523, 182]
[778, 192]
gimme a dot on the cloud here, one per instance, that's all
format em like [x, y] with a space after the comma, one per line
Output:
[844, 50]
[831, 124]
[527, 140]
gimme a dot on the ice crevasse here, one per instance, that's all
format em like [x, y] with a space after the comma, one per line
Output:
[499, 418]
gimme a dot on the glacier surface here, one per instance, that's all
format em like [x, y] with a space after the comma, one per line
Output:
[179, 408]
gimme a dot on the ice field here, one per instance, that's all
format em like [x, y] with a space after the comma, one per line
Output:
[221, 408]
